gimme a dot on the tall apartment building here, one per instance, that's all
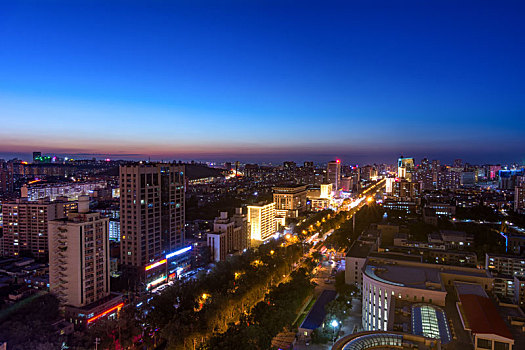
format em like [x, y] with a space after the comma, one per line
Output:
[151, 212]
[448, 178]
[6, 178]
[368, 172]
[290, 201]
[261, 221]
[26, 225]
[79, 256]
[519, 199]
[229, 235]
[333, 174]
[405, 190]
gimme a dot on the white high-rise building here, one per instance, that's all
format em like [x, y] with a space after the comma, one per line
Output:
[79, 256]
[261, 221]
[230, 235]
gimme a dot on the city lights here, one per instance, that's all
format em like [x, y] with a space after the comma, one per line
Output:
[179, 252]
[118, 307]
[156, 264]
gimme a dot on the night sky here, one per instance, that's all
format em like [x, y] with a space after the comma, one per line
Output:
[264, 80]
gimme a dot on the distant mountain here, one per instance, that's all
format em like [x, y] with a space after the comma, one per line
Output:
[197, 171]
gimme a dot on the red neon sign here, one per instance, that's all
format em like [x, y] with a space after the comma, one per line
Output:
[119, 306]
[158, 263]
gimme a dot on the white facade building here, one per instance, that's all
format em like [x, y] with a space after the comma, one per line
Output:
[79, 256]
[262, 222]
[386, 280]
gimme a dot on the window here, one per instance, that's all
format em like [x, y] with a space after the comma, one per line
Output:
[501, 346]
[484, 343]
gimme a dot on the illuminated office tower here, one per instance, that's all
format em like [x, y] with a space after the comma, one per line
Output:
[151, 212]
[405, 168]
[290, 201]
[326, 191]
[261, 221]
[333, 173]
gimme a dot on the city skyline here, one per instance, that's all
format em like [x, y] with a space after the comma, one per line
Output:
[256, 82]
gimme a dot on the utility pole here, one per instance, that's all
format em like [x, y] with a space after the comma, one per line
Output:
[97, 341]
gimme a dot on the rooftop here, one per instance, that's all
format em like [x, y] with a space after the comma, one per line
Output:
[404, 276]
[482, 317]
[414, 275]
[360, 249]
[469, 288]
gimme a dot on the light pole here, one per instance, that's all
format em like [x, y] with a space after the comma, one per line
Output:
[334, 325]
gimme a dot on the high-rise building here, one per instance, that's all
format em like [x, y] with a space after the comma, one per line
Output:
[26, 225]
[80, 267]
[290, 201]
[79, 256]
[261, 221]
[6, 179]
[151, 212]
[368, 172]
[333, 173]
[406, 190]
[519, 199]
[449, 178]
[347, 184]
[405, 168]
[229, 235]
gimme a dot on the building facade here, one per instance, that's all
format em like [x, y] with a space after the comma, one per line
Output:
[151, 211]
[230, 235]
[290, 201]
[26, 225]
[79, 256]
[388, 280]
[333, 174]
[262, 221]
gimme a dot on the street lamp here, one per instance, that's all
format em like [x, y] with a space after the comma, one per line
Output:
[334, 324]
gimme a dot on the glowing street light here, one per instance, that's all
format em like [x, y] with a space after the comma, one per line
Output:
[334, 323]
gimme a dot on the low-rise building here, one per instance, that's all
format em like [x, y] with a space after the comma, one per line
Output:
[481, 319]
[505, 264]
[451, 239]
[386, 281]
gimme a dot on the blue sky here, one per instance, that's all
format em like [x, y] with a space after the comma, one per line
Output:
[363, 80]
